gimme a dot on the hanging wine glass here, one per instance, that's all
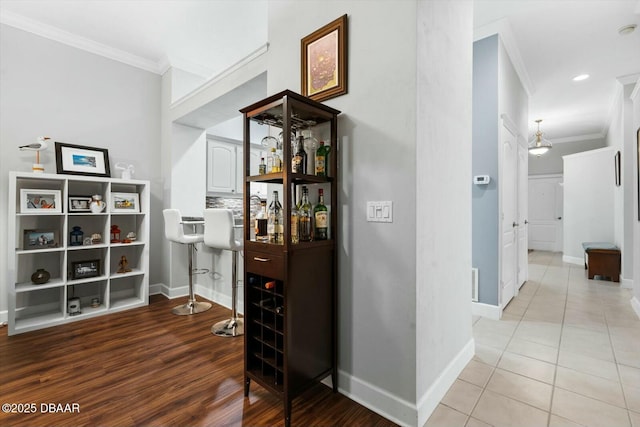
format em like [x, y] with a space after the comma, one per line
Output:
[310, 145]
[269, 141]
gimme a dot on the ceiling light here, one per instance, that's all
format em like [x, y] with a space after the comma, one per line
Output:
[539, 146]
[627, 29]
[581, 77]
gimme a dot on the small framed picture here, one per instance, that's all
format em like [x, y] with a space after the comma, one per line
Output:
[40, 201]
[324, 61]
[85, 269]
[79, 203]
[82, 160]
[125, 202]
[40, 239]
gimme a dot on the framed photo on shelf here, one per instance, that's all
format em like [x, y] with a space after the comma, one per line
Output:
[38, 201]
[324, 61]
[79, 203]
[125, 202]
[40, 239]
[82, 160]
[85, 269]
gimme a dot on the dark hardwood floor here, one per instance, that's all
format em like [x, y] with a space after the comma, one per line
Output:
[148, 367]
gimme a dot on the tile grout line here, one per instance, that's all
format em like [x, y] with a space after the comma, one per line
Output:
[494, 368]
[555, 369]
[615, 359]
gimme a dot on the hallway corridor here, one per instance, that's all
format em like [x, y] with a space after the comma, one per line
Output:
[565, 353]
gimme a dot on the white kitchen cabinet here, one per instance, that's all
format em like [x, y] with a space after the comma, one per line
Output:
[221, 167]
[224, 166]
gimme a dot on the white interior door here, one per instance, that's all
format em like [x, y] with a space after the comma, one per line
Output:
[559, 216]
[508, 194]
[545, 213]
[523, 227]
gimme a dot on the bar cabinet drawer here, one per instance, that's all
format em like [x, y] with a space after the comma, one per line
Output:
[268, 265]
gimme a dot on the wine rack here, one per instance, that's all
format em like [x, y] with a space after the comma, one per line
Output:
[290, 292]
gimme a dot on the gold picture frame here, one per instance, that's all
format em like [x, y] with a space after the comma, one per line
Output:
[324, 61]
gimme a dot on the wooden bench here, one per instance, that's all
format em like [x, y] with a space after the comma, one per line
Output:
[602, 259]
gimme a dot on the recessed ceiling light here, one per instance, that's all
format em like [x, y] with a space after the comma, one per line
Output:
[581, 77]
[627, 29]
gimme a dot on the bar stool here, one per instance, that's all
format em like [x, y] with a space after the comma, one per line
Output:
[219, 234]
[174, 231]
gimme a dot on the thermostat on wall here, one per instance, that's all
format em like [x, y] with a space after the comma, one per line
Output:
[481, 179]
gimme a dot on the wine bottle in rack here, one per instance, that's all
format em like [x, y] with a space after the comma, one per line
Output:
[275, 222]
[320, 214]
[304, 217]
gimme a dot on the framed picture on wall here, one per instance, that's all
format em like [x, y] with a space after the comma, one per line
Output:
[82, 160]
[324, 61]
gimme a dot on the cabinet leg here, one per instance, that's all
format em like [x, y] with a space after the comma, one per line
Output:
[287, 413]
[334, 380]
[247, 383]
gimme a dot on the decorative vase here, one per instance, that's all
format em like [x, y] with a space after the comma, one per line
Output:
[41, 276]
[97, 205]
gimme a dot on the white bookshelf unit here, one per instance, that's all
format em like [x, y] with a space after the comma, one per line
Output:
[32, 306]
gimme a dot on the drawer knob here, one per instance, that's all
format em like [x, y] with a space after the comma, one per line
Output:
[256, 258]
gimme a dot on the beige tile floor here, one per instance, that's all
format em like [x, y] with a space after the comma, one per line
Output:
[565, 353]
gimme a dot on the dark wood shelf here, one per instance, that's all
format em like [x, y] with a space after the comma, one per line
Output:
[288, 352]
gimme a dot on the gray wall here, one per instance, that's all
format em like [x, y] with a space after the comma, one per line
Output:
[485, 218]
[551, 163]
[48, 88]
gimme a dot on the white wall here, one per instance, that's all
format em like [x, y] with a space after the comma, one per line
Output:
[635, 99]
[443, 191]
[551, 162]
[377, 161]
[48, 88]
[588, 201]
[378, 262]
[621, 136]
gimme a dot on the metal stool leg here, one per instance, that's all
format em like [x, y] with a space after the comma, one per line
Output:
[192, 306]
[233, 327]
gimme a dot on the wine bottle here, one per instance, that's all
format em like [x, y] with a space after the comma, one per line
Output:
[320, 213]
[304, 217]
[322, 159]
[276, 163]
[299, 159]
[261, 222]
[295, 217]
[275, 223]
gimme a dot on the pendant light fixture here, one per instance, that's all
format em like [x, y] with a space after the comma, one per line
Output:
[539, 145]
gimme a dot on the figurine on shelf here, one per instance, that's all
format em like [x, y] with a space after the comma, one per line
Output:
[96, 238]
[130, 237]
[124, 265]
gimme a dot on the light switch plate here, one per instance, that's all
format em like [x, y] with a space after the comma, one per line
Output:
[380, 211]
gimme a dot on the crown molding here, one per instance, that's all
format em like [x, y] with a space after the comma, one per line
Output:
[502, 27]
[73, 40]
[190, 67]
[579, 138]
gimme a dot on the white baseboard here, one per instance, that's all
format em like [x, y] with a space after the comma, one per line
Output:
[626, 283]
[486, 310]
[200, 290]
[430, 400]
[572, 260]
[376, 399]
[635, 304]
[4, 317]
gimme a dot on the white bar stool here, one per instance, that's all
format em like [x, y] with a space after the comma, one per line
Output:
[174, 231]
[219, 234]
